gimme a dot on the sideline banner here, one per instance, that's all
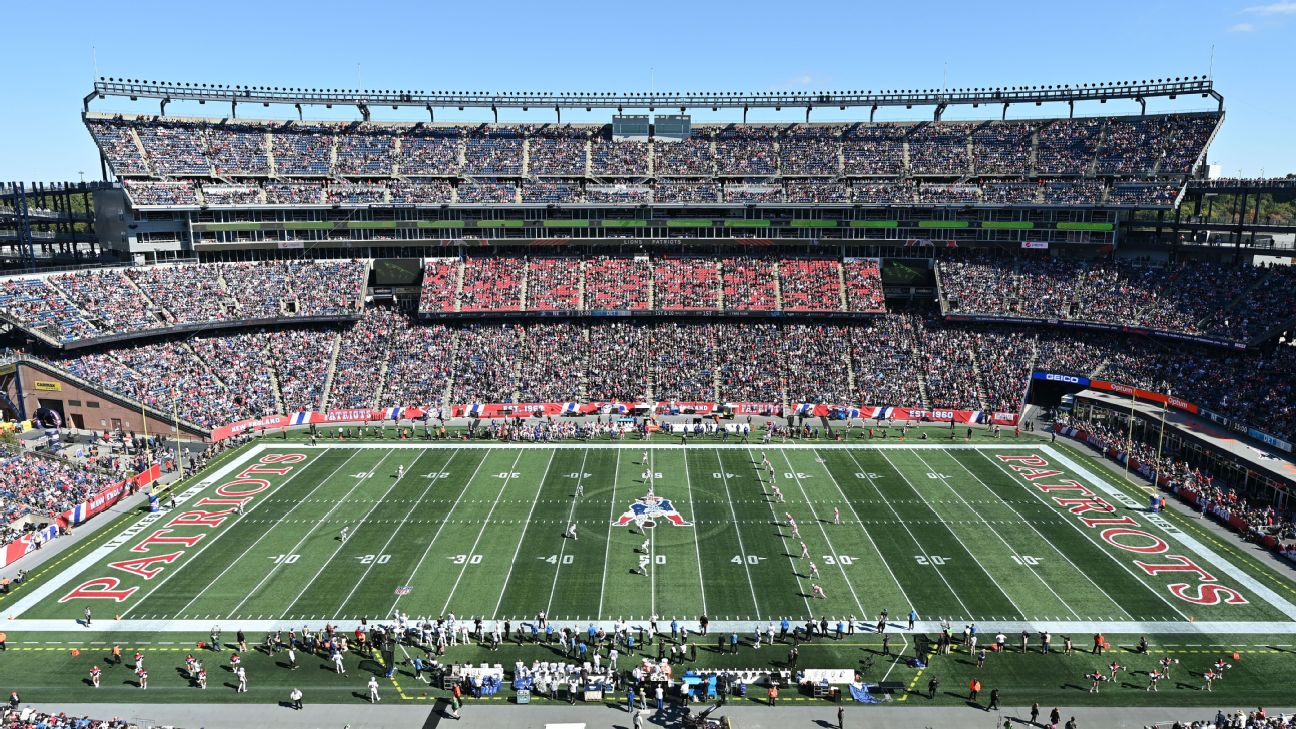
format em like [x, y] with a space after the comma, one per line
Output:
[555, 409]
[78, 514]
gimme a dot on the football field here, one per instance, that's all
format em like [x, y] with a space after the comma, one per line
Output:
[1004, 532]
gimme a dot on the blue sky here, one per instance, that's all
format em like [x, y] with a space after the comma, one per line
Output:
[620, 46]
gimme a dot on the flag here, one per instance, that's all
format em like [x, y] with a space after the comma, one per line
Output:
[302, 418]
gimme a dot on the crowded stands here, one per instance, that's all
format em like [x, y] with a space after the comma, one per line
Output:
[1203, 299]
[1142, 160]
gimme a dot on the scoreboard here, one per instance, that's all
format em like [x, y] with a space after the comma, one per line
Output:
[630, 126]
[672, 126]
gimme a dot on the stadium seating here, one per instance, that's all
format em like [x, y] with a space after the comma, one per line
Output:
[618, 159]
[558, 151]
[29, 718]
[238, 150]
[891, 359]
[553, 284]
[492, 284]
[617, 283]
[810, 284]
[863, 284]
[493, 151]
[43, 486]
[1190, 298]
[1139, 161]
[303, 150]
[366, 154]
[749, 284]
[116, 140]
[685, 284]
[431, 152]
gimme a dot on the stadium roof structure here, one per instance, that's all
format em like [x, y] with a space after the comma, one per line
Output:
[938, 99]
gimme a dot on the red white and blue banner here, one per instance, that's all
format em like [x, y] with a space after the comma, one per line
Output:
[80, 513]
[556, 409]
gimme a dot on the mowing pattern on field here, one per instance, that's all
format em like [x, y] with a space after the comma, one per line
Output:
[954, 532]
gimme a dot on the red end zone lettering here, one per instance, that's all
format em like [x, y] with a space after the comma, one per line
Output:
[137, 566]
[1207, 594]
[230, 494]
[1122, 532]
[1155, 545]
[100, 588]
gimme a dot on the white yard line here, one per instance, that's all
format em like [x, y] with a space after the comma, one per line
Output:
[969, 552]
[607, 546]
[724, 476]
[1089, 537]
[392, 534]
[264, 533]
[869, 537]
[336, 550]
[836, 554]
[917, 544]
[428, 549]
[1054, 547]
[525, 527]
[480, 532]
[571, 515]
[1011, 549]
[898, 658]
[697, 548]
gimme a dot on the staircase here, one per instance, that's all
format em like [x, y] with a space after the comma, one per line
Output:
[459, 286]
[841, 286]
[1098, 148]
[280, 407]
[979, 378]
[332, 370]
[720, 295]
[396, 155]
[206, 365]
[449, 387]
[1034, 150]
[778, 287]
[652, 288]
[526, 278]
[270, 160]
[916, 350]
[582, 390]
[382, 377]
[580, 284]
[85, 314]
[139, 145]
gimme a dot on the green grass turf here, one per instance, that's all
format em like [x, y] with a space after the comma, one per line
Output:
[45, 673]
[478, 531]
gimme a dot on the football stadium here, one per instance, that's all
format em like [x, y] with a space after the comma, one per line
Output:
[918, 407]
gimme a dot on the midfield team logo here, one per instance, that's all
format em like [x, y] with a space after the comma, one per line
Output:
[646, 510]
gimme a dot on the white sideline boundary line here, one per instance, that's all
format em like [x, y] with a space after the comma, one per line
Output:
[641, 445]
[1062, 627]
